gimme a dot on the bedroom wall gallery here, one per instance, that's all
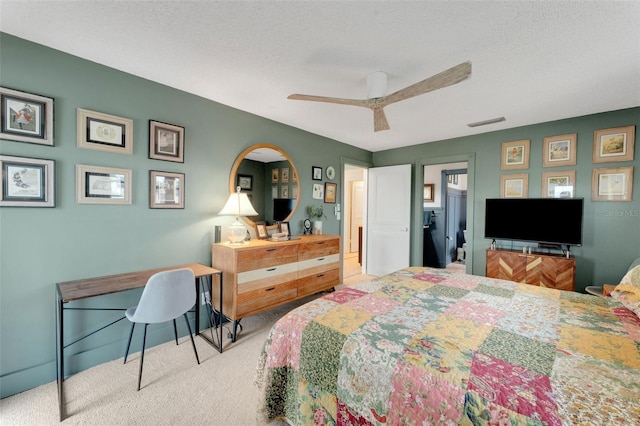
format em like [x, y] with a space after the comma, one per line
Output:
[611, 229]
[42, 246]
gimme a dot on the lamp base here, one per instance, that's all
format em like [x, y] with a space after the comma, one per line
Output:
[237, 232]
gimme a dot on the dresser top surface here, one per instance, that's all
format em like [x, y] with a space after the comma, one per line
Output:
[299, 239]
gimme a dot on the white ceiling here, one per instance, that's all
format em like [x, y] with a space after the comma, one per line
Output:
[532, 61]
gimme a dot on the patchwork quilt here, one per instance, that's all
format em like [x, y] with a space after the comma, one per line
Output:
[426, 346]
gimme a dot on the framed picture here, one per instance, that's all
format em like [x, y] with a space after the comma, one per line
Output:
[515, 155]
[284, 227]
[285, 175]
[615, 144]
[318, 191]
[166, 141]
[284, 191]
[294, 191]
[245, 182]
[330, 190]
[560, 184]
[514, 186]
[27, 182]
[274, 191]
[612, 184]
[104, 132]
[102, 185]
[428, 191]
[316, 173]
[26, 117]
[559, 150]
[166, 190]
[275, 175]
[261, 230]
[294, 176]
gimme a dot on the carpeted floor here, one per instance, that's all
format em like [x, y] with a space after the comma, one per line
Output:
[175, 390]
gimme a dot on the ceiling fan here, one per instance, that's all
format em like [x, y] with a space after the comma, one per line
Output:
[377, 85]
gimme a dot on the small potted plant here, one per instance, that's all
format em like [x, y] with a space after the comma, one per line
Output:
[316, 214]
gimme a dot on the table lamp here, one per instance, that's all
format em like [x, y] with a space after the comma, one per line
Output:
[238, 205]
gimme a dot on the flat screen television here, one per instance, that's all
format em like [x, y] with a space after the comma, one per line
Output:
[555, 221]
[282, 208]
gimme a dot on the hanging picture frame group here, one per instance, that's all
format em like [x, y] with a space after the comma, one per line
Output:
[614, 144]
[166, 141]
[102, 185]
[104, 132]
[27, 182]
[515, 155]
[26, 117]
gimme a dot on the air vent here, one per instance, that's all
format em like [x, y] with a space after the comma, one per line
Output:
[485, 122]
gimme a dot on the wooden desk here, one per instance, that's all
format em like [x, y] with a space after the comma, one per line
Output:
[99, 286]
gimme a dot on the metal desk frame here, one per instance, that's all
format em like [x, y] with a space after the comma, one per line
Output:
[86, 288]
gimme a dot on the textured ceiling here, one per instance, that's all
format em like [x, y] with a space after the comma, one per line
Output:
[532, 61]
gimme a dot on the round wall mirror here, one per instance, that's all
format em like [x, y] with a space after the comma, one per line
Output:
[270, 179]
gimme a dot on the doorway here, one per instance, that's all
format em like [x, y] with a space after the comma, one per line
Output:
[353, 222]
[455, 209]
[445, 231]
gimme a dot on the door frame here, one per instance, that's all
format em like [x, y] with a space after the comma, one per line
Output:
[416, 237]
[444, 197]
[344, 161]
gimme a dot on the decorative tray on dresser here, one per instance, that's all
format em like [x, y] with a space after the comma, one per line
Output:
[262, 274]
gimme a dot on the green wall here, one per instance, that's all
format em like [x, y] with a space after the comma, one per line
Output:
[611, 230]
[42, 246]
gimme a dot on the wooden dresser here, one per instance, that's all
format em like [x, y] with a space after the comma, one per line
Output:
[262, 274]
[544, 270]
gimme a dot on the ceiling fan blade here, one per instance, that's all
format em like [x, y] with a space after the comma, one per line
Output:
[379, 120]
[367, 103]
[446, 78]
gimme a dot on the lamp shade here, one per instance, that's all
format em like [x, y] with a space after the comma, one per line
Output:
[238, 204]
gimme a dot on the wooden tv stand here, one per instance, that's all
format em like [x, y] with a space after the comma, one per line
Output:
[544, 270]
[262, 274]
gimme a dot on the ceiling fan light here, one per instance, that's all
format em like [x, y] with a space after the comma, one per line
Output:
[376, 85]
[485, 122]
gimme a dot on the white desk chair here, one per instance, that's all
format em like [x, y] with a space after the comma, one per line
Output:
[166, 296]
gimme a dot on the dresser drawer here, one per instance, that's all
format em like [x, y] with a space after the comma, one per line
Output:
[321, 248]
[318, 265]
[263, 257]
[260, 299]
[266, 277]
[318, 282]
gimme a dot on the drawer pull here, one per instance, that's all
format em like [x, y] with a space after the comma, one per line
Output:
[320, 276]
[320, 259]
[321, 242]
[271, 269]
[270, 249]
[270, 288]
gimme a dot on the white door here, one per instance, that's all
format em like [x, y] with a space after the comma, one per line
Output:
[356, 214]
[388, 219]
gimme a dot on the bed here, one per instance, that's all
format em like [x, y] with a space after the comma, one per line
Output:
[429, 346]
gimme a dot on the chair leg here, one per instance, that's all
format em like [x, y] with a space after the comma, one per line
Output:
[126, 354]
[144, 342]
[175, 330]
[191, 336]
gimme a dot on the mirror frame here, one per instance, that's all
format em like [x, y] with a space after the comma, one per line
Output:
[241, 157]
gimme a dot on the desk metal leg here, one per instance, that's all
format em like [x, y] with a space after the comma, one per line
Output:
[60, 352]
[218, 324]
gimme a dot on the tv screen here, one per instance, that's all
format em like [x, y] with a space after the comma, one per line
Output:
[281, 208]
[542, 220]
